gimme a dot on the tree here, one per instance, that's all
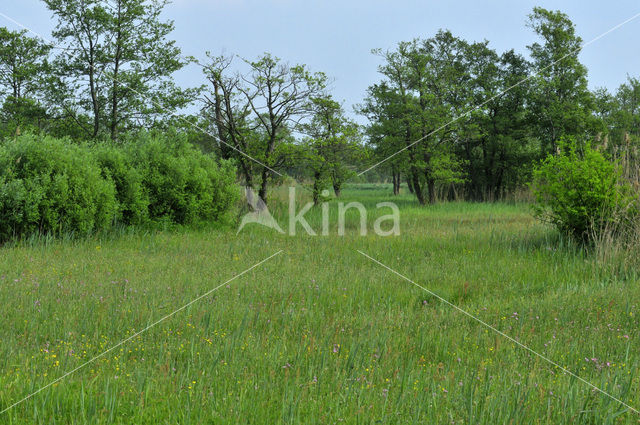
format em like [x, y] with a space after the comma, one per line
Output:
[255, 112]
[280, 96]
[117, 62]
[23, 61]
[425, 88]
[143, 59]
[619, 118]
[391, 106]
[333, 145]
[627, 114]
[230, 113]
[561, 103]
[388, 130]
[497, 145]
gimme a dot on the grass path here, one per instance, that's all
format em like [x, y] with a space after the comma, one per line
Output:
[320, 334]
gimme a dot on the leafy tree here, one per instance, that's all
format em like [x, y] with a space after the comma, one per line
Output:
[627, 112]
[23, 61]
[428, 79]
[254, 113]
[117, 63]
[280, 96]
[561, 103]
[229, 113]
[388, 130]
[333, 145]
[142, 61]
[619, 118]
[20, 114]
[496, 142]
[455, 114]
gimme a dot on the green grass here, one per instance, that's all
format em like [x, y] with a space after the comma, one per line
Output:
[321, 334]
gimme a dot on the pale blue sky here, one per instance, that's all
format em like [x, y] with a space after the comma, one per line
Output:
[337, 36]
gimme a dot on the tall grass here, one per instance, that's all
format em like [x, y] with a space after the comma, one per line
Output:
[617, 240]
[320, 334]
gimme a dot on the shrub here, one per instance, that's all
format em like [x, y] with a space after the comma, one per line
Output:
[116, 165]
[181, 183]
[51, 186]
[581, 192]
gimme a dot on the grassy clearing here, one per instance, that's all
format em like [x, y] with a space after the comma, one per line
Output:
[320, 334]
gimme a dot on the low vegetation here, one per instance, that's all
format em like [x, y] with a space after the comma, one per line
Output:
[320, 334]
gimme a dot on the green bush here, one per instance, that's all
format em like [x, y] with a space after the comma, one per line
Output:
[116, 165]
[182, 184]
[581, 192]
[50, 186]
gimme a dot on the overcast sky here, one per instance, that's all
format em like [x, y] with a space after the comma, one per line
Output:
[337, 36]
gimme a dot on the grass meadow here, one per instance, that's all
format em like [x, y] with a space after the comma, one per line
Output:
[319, 333]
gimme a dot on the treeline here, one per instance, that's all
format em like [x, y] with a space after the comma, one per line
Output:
[480, 121]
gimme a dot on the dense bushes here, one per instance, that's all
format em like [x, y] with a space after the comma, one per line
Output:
[181, 184]
[116, 166]
[582, 192]
[49, 185]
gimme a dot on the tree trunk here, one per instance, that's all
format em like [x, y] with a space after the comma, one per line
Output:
[116, 69]
[431, 187]
[114, 105]
[95, 106]
[225, 151]
[337, 188]
[416, 187]
[396, 182]
[316, 188]
[94, 103]
[410, 185]
[248, 179]
[263, 185]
